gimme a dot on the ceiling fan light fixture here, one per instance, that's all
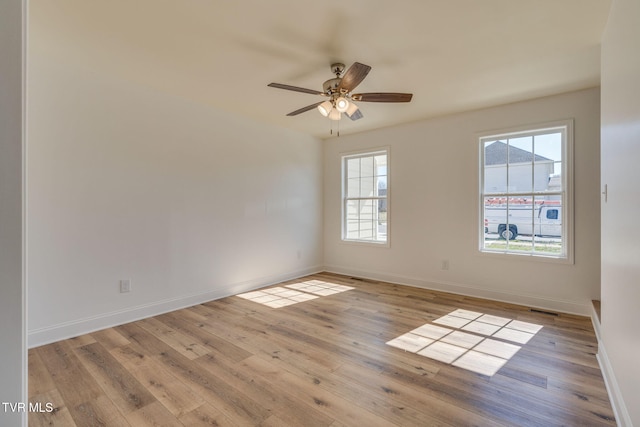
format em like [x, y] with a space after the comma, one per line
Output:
[325, 108]
[342, 104]
[351, 109]
[335, 114]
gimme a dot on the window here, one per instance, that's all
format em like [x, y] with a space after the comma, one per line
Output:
[365, 205]
[525, 197]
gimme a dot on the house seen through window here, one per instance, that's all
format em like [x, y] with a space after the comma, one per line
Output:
[365, 197]
[525, 197]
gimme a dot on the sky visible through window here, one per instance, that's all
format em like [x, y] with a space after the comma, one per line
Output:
[547, 145]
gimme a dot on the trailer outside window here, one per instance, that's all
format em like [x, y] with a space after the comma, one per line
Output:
[525, 192]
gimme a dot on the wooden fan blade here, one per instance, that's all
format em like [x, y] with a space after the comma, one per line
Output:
[382, 97]
[303, 109]
[353, 77]
[295, 88]
[355, 116]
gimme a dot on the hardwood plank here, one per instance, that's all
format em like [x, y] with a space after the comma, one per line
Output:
[274, 421]
[60, 416]
[584, 405]
[184, 344]
[523, 376]
[81, 340]
[468, 391]
[154, 414]
[197, 331]
[72, 379]
[206, 415]
[109, 338]
[98, 412]
[286, 406]
[124, 390]
[234, 404]
[39, 379]
[347, 412]
[364, 345]
[177, 397]
[129, 357]
[430, 409]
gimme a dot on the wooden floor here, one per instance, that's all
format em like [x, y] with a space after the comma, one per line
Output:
[234, 362]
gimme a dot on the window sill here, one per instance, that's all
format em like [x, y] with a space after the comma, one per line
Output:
[567, 260]
[368, 243]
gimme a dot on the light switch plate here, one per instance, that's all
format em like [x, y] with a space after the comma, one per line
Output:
[125, 285]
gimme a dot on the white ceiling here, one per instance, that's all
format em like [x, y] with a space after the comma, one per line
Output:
[453, 55]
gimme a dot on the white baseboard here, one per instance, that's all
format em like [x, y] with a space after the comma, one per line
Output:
[615, 396]
[53, 333]
[554, 305]
[623, 418]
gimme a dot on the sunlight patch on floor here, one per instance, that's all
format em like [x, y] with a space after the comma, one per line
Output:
[468, 345]
[291, 294]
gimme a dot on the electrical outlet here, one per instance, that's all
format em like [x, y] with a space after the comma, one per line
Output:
[445, 264]
[125, 285]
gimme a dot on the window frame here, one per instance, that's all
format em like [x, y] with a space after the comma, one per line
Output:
[344, 157]
[567, 177]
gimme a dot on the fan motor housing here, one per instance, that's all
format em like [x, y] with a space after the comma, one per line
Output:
[331, 86]
[337, 68]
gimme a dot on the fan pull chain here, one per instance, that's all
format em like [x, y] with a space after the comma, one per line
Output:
[331, 127]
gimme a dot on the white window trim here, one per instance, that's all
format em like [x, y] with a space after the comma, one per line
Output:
[568, 184]
[364, 153]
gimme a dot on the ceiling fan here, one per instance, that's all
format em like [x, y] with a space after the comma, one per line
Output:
[339, 90]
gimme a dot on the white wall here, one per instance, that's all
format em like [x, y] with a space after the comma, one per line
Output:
[620, 233]
[13, 385]
[434, 208]
[188, 202]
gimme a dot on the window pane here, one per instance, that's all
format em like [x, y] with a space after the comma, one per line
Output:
[548, 238]
[491, 219]
[520, 170]
[367, 219]
[495, 171]
[548, 162]
[353, 168]
[352, 219]
[520, 226]
[381, 221]
[382, 186]
[367, 167]
[381, 165]
[508, 223]
[368, 186]
[361, 224]
[353, 187]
